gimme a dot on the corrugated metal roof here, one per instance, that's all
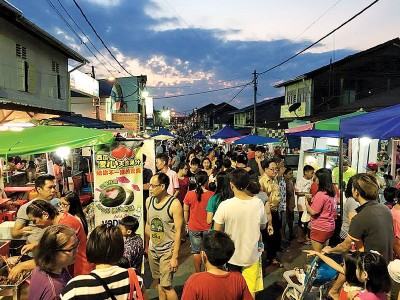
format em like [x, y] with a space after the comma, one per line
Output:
[347, 59]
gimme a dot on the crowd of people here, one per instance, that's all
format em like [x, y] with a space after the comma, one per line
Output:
[238, 210]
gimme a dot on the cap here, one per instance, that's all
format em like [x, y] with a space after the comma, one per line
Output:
[372, 166]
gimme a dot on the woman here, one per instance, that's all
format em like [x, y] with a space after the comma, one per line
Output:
[213, 177]
[222, 193]
[104, 248]
[349, 209]
[71, 204]
[207, 166]
[322, 209]
[191, 155]
[183, 189]
[57, 249]
[194, 210]
[396, 224]
[43, 215]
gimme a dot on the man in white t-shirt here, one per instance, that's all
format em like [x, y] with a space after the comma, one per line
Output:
[303, 186]
[243, 217]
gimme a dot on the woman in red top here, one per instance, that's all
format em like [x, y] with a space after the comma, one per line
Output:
[194, 209]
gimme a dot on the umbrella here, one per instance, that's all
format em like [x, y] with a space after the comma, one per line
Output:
[226, 132]
[162, 134]
[199, 135]
[255, 140]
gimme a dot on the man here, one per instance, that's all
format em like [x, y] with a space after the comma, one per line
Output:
[194, 167]
[371, 228]
[269, 185]
[163, 234]
[242, 217]
[46, 187]
[217, 249]
[255, 163]
[162, 166]
[347, 173]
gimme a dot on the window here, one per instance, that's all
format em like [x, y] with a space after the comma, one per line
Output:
[291, 97]
[20, 51]
[55, 67]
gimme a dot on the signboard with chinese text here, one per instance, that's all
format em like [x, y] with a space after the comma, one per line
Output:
[131, 121]
[118, 183]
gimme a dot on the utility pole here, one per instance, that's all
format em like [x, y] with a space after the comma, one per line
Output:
[96, 102]
[142, 86]
[255, 101]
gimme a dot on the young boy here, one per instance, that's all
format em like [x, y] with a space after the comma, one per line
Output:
[303, 186]
[133, 243]
[216, 283]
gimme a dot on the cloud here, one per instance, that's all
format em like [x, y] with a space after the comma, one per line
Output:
[185, 51]
[105, 3]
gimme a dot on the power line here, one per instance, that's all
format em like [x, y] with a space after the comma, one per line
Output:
[101, 40]
[199, 93]
[325, 36]
[73, 31]
[87, 36]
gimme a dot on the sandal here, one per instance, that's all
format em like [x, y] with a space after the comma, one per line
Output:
[277, 263]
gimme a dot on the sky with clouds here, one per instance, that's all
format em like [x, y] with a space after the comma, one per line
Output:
[190, 48]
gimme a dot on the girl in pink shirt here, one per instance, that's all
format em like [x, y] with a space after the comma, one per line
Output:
[322, 209]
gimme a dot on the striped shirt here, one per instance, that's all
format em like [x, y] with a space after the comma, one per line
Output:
[86, 287]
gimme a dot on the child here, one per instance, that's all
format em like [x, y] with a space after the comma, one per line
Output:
[349, 270]
[216, 283]
[303, 186]
[373, 272]
[133, 243]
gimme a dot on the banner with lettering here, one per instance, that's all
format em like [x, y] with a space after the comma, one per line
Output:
[118, 182]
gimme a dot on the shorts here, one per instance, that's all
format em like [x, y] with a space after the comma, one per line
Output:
[195, 241]
[252, 275]
[160, 267]
[320, 235]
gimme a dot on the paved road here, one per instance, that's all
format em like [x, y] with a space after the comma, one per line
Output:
[274, 283]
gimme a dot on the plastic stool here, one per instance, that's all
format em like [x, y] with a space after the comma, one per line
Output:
[9, 215]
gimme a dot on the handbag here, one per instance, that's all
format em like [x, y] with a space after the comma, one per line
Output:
[109, 293]
[133, 278]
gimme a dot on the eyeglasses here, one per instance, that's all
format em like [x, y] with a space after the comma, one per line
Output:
[64, 204]
[274, 169]
[74, 248]
[153, 186]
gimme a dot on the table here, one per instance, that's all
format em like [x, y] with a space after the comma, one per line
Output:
[19, 190]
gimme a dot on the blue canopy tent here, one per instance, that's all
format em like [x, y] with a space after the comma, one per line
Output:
[199, 135]
[380, 124]
[316, 133]
[162, 134]
[225, 133]
[253, 139]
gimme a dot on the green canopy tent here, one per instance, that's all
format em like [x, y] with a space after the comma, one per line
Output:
[41, 139]
[333, 124]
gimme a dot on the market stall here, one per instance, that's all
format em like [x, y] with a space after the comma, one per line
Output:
[383, 124]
